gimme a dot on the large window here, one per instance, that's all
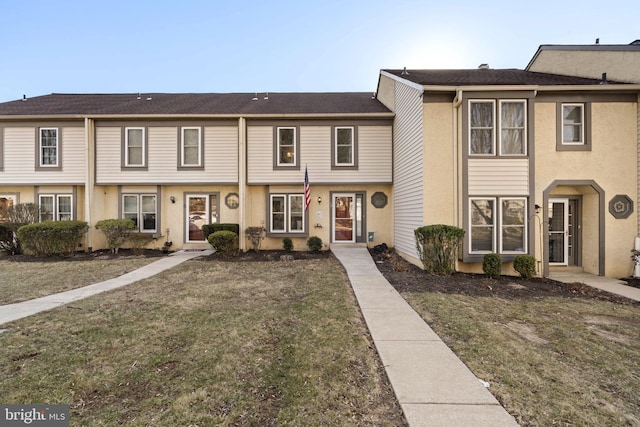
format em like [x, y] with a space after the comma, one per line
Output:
[509, 128]
[49, 148]
[190, 147]
[344, 150]
[134, 147]
[286, 146]
[142, 210]
[287, 213]
[498, 225]
[56, 207]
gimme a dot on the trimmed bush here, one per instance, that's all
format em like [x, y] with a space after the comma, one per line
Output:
[525, 265]
[208, 229]
[116, 231]
[224, 242]
[492, 265]
[314, 243]
[52, 237]
[287, 244]
[437, 246]
[138, 242]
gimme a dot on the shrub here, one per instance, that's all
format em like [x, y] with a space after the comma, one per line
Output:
[116, 231]
[287, 244]
[16, 216]
[255, 234]
[314, 243]
[525, 265]
[6, 238]
[492, 265]
[208, 229]
[138, 241]
[52, 237]
[437, 247]
[224, 242]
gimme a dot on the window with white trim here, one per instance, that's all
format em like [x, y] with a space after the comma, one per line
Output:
[142, 209]
[191, 147]
[513, 128]
[56, 207]
[286, 146]
[134, 147]
[286, 213]
[345, 146]
[482, 136]
[498, 225]
[573, 124]
[48, 147]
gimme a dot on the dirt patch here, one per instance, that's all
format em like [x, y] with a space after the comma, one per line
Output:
[526, 332]
[406, 277]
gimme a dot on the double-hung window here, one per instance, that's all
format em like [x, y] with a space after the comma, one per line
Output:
[344, 149]
[482, 136]
[498, 225]
[513, 135]
[190, 147]
[49, 148]
[573, 124]
[508, 127]
[134, 147]
[286, 213]
[286, 146]
[142, 210]
[56, 207]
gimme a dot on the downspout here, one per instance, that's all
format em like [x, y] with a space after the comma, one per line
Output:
[457, 101]
[88, 181]
[242, 134]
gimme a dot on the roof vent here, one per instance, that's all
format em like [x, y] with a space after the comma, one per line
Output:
[603, 80]
[483, 67]
[24, 97]
[255, 98]
[598, 41]
[404, 72]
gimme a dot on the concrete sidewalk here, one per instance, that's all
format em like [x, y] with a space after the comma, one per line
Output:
[11, 312]
[433, 386]
[607, 284]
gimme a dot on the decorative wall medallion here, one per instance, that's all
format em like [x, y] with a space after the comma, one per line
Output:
[621, 206]
[232, 200]
[379, 199]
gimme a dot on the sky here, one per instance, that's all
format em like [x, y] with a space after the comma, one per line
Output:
[131, 46]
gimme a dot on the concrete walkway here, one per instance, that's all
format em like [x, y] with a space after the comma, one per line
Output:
[607, 284]
[11, 312]
[433, 386]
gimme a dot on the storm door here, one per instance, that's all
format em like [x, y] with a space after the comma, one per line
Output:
[201, 209]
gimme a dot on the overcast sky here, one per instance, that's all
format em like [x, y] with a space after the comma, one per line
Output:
[279, 46]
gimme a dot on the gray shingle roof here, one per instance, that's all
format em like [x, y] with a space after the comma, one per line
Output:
[481, 77]
[195, 103]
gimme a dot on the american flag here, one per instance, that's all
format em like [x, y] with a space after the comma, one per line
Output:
[307, 190]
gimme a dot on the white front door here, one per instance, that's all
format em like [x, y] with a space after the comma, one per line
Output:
[343, 217]
[198, 213]
[558, 231]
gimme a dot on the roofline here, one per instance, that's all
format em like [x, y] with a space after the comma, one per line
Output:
[539, 88]
[589, 47]
[401, 80]
[197, 116]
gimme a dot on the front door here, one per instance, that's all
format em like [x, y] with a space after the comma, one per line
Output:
[347, 217]
[563, 231]
[200, 210]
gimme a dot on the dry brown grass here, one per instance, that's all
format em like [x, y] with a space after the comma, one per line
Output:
[206, 343]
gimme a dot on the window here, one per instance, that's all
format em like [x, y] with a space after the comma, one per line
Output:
[506, 233]
[287, 213]
[573, 126]
[134, 147]
[512, 128]
[481, 127]
[344, 151]
[190, 147]
[142, 210]
[48, 147]
[56, 207]
[286, 149]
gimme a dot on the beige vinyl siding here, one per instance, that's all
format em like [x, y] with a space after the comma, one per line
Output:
[374, 152]
[498, 177]
[408, 194]
[220, 157]
[20, 151]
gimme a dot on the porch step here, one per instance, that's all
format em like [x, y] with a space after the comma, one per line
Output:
[348, 245]
[565, 269]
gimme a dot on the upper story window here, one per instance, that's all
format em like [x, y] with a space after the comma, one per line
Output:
[134, 147]
[344, 147]
[191, 147]
[49, 148]
[507, 129]
[56, 207]
[573, 125]
[286, 147]
[142, 209]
